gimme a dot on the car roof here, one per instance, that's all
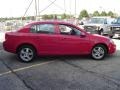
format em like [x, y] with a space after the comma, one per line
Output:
[102, 17]
[51, 22]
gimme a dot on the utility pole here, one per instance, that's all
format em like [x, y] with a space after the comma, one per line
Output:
[38, 7]
[75, 8]
[70, 7]
[36, 10]
[64, 7]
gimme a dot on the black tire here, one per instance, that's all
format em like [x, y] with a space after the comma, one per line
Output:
[110, 36]
[26, 53]
[99, 54]
[101, 31]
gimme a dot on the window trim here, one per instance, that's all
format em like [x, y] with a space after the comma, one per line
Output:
[70, 26]
[54, 31]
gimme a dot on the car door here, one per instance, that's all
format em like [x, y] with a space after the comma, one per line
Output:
[71, 41]
[46, 38]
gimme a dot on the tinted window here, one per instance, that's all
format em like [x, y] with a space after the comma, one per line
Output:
[64, 29]
[43, 28]
[105, 21]
[118, 21]
[68, 30]
[97, 20]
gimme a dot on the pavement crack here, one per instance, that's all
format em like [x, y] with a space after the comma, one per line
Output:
[105, 77]
[24, 82]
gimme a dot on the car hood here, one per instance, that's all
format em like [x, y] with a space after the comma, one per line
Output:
[99, 38]
[115, 25]
[93, 24]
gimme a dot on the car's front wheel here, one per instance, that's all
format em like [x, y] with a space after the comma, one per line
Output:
[26, 53]
[110, 36]
[99, 52]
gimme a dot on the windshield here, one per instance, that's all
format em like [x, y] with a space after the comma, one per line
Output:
[97, 20]
[116, 21]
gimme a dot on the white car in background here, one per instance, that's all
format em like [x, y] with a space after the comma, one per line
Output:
[99, 25]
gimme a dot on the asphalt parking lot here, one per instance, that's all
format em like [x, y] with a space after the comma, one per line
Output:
[60, 73]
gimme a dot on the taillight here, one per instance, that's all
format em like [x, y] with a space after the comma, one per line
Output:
[6, 36]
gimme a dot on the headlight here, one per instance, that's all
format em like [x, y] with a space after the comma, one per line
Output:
[109, 28]
[98, 27]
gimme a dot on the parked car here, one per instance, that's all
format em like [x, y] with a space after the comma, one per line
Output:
[8, 25]
[99, 25]
[115, 28]
[56, 38]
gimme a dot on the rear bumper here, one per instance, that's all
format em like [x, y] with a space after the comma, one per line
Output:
[8, 47]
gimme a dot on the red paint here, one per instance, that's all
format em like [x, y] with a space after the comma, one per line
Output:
[56, 44]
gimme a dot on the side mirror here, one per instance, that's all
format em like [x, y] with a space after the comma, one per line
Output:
[112, 22]
[105, 22]
[82, 34]
[81, 23]
[89, 32]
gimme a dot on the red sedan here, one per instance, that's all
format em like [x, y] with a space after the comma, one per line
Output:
[56, 38]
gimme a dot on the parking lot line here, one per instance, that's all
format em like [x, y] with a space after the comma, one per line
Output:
[4, 73]
[24, 68]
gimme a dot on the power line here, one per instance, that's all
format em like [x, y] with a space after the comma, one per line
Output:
[70, 6]
[75, 8]
[64, 6]
[52, 2]
[60, 7]
[57, 5]
[47, 6]
[36, 8]
[28, 8]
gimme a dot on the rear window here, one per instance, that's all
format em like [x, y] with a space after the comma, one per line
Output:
[42, 28]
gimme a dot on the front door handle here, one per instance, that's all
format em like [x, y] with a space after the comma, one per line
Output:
[63, 38]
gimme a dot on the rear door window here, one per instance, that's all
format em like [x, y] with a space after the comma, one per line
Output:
[42, 28]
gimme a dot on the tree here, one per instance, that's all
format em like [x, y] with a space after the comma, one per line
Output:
[23, 18]
[45, 16]
[63, 16]
[50, 16]
[83, 13]
[103, 13]
[96, 13]
[110, 13]
[32, 17]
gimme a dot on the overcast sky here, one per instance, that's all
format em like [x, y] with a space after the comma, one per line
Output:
[16, 8]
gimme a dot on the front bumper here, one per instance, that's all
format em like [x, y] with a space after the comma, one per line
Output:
[117, 35]
[112, 48]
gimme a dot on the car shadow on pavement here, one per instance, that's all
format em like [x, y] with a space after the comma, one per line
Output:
[1, 46]
[115, 56]
[13, 59]
[9, 57]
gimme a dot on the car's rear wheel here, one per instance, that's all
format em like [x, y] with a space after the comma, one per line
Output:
[26, 53]
[99, 52]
